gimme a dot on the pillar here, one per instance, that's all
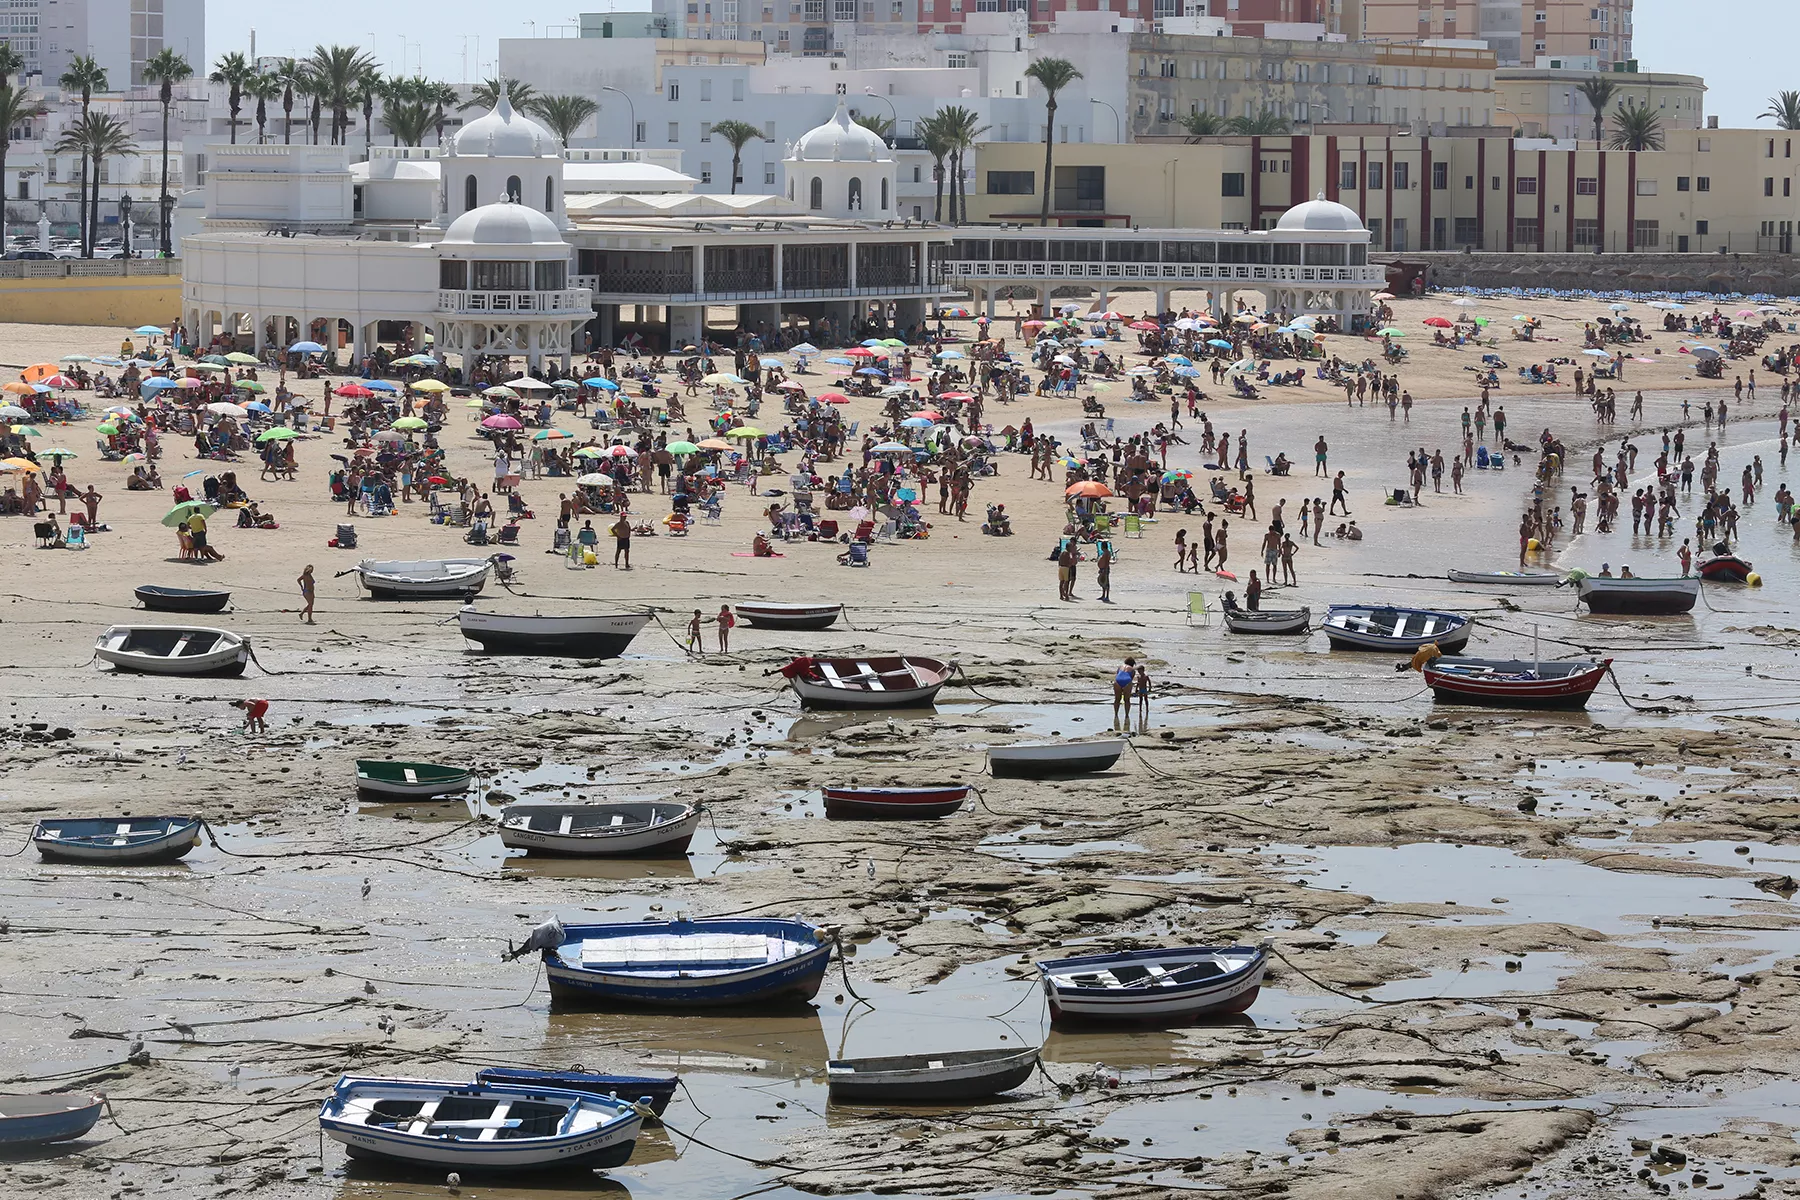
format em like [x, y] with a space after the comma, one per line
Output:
[686, 322]
[909, 312]
[609, 319]
[990, 301]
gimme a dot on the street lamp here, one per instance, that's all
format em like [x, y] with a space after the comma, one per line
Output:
[168, 207]
[893, 113]
[125, 222]
[630, 107]
[1118, 125]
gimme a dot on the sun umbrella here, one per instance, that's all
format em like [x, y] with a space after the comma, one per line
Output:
[564, 383]
[594, 479]
[546, 435]
[1702, 351]
[281, 433]
[106, 430]
[804, 348]
[380, 385]
[216, 360]
[590, 452]
[354, 391]
[840, 361]
[891, 448]
[715, 444]
[306, 348]
[388, 435]
[19, 387]
[191, 383]
[601, 382]
[225, 408]
[1219, 343]
[834, 398]
[860, 352]
[870, 371]
[500, 392]
[744, 431]
[1088, 487]
[526, 383]
[38, 372]
[187, 508]
[74, 358]
[1619, 307]
[718, 378]
[410, 423]
[950, 354]
[1439, 322]
[132, 458]
[160, 383]
[621, 452]
[917, 423]
[1188, 372]
[429, 385]
[1243, 366]
[59, 452]
[20, 464]
[501, 421]
[28, 431]
[241, 359]
[895, 343]
[954, 314]
[1597, 353]
[249, 385]
[1382, 296]
[1467, 302]
[148, 331]
[682, 448]
[1390, 331]
[1177, 474]
[930, 414]
[258, 406]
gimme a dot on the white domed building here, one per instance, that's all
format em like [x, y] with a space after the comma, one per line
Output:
[503, 282]
[503, 155]
[841, 169]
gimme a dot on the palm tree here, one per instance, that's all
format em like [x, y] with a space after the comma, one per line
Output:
[442, 97]
[1636, 127]
[563, 114]
[293, 79]
[15, 109]
[486, 94]
[1202, 125]
[881, 127]
[262, 89]
[1784, 110]
[937, 144]
[167, 68]
[95, 137]
[1264, 124]
[738, 134]
[1598, 92]
[407, 118]
[87, 77]
[963, 130]
[1053, 75]
[11, 63]
[234, 71]
[370, 85]
[338, 70]
[316, 91]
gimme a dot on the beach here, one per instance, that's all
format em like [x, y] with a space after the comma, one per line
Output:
[1512, 952]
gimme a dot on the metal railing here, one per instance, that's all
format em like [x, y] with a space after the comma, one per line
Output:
[1178, 272]
[570, 301]
[79, 268]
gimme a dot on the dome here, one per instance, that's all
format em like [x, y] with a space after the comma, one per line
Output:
[841, 140]
[505, 133]
[503, 224]
[1321, 216]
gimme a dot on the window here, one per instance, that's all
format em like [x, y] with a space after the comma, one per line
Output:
[453, 274]
[1440, 177]
[1468, 231]
[1011, 183]
[1231, 183]
[1702, 227]
[1769, 186]
[1525, 231]
[884, 194]
[737, 89]
[1703, 145]
[674, 92]
[1373, 171]
[816, 197]
[470, 199]
[515, 190]
[1347, 177]
[1646, 187]
[706, 89]
[1397, 240]
[706, 131]
[1587, 231]
[491, 276]
[843, 10]
[1525, 185]
[1589, 186]
[853, 194]
[1468, 183]
[768, 174]
[1402, 178]
[550, 276]
[1647, 235]
[1681, 183]
[1080, 189]
[550, 195]
[674, 131]
[1703, 183]
[641, 133]
[705, 172]
[957, 60]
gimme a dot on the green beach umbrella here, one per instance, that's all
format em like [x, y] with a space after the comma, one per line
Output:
[240, 358]
[281, 433]
[187, 508]
[683, 448]
[405, 423]
[249, 385]
[106, 430]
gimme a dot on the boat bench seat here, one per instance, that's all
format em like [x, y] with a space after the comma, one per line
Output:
[703, 952]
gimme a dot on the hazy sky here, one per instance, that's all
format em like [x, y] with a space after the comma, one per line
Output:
[1741, 47]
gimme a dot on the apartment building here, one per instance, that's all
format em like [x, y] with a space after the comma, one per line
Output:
[1422, 89]
[1711, 191]
[1518, 31]
[1547, 102]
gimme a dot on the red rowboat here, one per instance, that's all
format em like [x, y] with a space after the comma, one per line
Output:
[1514, 683]
[905, 804]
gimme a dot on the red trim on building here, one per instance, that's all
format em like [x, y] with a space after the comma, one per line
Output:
[1387, 204]
[1569, 219]
[1630, 201]
[1426, 241]
[1481, 184]
[1300, 150]
[1543, 200]
[1256, 174]
[1512, 191]
[1600, 223]
[1334, 175]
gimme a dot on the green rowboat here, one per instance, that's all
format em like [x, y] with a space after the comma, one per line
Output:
[382, 780]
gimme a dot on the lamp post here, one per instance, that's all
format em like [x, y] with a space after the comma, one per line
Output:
[893, 113]
[1118, 125]
[630, 107]
[125, 223]
[168, 208]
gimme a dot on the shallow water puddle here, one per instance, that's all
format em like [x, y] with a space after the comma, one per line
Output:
[1030, 844]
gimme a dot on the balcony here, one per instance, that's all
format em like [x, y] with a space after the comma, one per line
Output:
[1371, 276]
[570, 302]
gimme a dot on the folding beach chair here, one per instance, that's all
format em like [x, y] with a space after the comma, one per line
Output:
[1197, 608]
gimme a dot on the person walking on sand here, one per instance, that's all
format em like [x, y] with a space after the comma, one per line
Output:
[694, 644]
[1219, 547]
[1319, 451]
[1103, 572]
[1065, 572]
[307, 589]
[621, 532]
[1181, 550]
[1122, 681]
[1339, 495]
[727, 622]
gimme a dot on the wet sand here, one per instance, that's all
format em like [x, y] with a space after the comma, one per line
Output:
[1472, 997]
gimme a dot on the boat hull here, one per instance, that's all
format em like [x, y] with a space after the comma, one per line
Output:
[41, 1120]
[1506, 578]
[67, 842]
[791, 980]
[1282, 623]
[169, 650]
[372, 783]
[911, 1079]
[1725, 569]
[867, 684]
[789, 616]
[431, 579]
[1640, 597]
[1054, 760]
[567, 637]
[1387, 630]
[1221, 995]
[656, 839]
[654, 1090]
[904, 804]
[182, 600]
[1568, 691]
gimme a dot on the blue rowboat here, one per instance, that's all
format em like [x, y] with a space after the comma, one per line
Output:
[36, 1120]
[1164, 986]
[116, 841]
[1383, 627]
[708, 963]
[654, 1091]
[479, 1126]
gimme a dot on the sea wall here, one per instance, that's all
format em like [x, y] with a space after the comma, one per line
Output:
[1778, 274]
[101, 292]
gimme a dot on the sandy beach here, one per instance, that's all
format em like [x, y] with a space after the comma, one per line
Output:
[1547, 955]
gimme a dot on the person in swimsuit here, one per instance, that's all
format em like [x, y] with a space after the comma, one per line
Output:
[727, 619]
[1122, 679]
[1142, 683]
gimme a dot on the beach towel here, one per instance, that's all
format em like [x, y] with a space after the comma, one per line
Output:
[752, 554]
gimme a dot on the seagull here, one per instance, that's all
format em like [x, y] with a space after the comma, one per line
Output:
[365, 888]
[368, 988]
[186, 1031]
[235, 1068]
[871, 868]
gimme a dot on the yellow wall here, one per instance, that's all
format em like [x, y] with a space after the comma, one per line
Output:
[100, 300]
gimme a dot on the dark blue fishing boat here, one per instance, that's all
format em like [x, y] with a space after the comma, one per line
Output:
[37, 1120]
[653, 1090]
[708, 963]
[116, 841]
